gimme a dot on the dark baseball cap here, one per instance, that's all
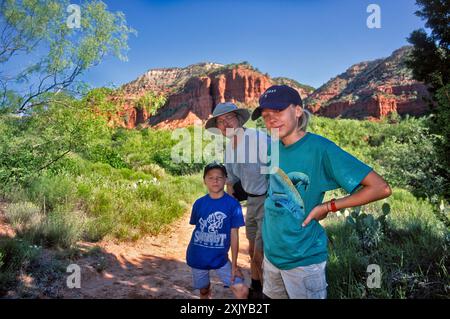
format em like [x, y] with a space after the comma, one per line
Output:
[215, 165]
[277, 97]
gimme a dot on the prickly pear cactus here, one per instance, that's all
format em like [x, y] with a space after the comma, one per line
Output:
[370, 230]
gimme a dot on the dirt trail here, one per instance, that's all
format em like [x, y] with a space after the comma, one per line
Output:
[5, 229]
[153, 267]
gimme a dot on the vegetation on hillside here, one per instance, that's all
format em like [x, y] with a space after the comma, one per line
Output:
[282, 80]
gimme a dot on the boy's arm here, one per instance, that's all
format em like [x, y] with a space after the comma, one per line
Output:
[234, 252]
[374, 188]
[193, 219]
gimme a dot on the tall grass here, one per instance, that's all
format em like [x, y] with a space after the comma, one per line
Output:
[92, 200]
[55, 229]
[24, 216]
[412, 253]
[15, 255]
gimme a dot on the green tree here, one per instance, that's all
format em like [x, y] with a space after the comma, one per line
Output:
[39, 31]
[441, 126]
[430, 58]
[30, 144]
[41, 120]
[430, 63]
[101, 100]
[151, 102]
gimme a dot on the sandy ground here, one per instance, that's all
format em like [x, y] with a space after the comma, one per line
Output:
[153, 267]
[5, 229]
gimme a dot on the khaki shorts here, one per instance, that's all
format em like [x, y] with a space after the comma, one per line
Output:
[308, 282]
[254, 219]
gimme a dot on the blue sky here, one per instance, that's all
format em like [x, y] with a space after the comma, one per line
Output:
[309, 41]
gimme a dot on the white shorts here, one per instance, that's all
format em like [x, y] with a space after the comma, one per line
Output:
[307, 282]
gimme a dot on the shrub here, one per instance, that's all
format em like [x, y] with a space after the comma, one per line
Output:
[154, 170]
[59, 229]
[24, 216]
[16, 255]
[52, 191]
[106, 155]
[56, 229]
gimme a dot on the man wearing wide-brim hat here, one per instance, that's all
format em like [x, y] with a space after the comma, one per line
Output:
[245, 154]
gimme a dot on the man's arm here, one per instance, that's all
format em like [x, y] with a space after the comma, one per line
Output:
[231, 179]
[230, 189]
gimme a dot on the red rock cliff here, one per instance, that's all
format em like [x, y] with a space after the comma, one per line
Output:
[372, 90]
[201, 94]
[192, 92]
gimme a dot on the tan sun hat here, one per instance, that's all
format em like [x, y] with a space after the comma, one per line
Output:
[223, 108]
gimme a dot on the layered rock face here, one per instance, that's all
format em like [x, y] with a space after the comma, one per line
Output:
[201, 94]
[194, 91]
[372, 90]
[367, 90]
[176, 83]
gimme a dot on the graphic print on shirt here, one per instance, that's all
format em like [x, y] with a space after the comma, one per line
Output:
[208, 235]
[284, 190]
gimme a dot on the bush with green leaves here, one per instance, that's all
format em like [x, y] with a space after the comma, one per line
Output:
[151, 102]
[107, 155]
[148, 146]
[153, 170]
[409, 159]
[441, 127]
[31, 144]
[429, 62]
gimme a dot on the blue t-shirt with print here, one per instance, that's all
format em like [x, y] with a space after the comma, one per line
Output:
[315, 165]
[211, 238]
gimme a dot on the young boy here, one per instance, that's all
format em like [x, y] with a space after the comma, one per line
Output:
[217, 217]
[295, 244]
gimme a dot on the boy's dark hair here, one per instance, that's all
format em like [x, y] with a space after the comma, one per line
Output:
[214, 165]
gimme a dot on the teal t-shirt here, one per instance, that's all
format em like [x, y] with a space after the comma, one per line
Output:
[320, 166]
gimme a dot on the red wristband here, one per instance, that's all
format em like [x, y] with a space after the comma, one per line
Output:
[333, 205]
